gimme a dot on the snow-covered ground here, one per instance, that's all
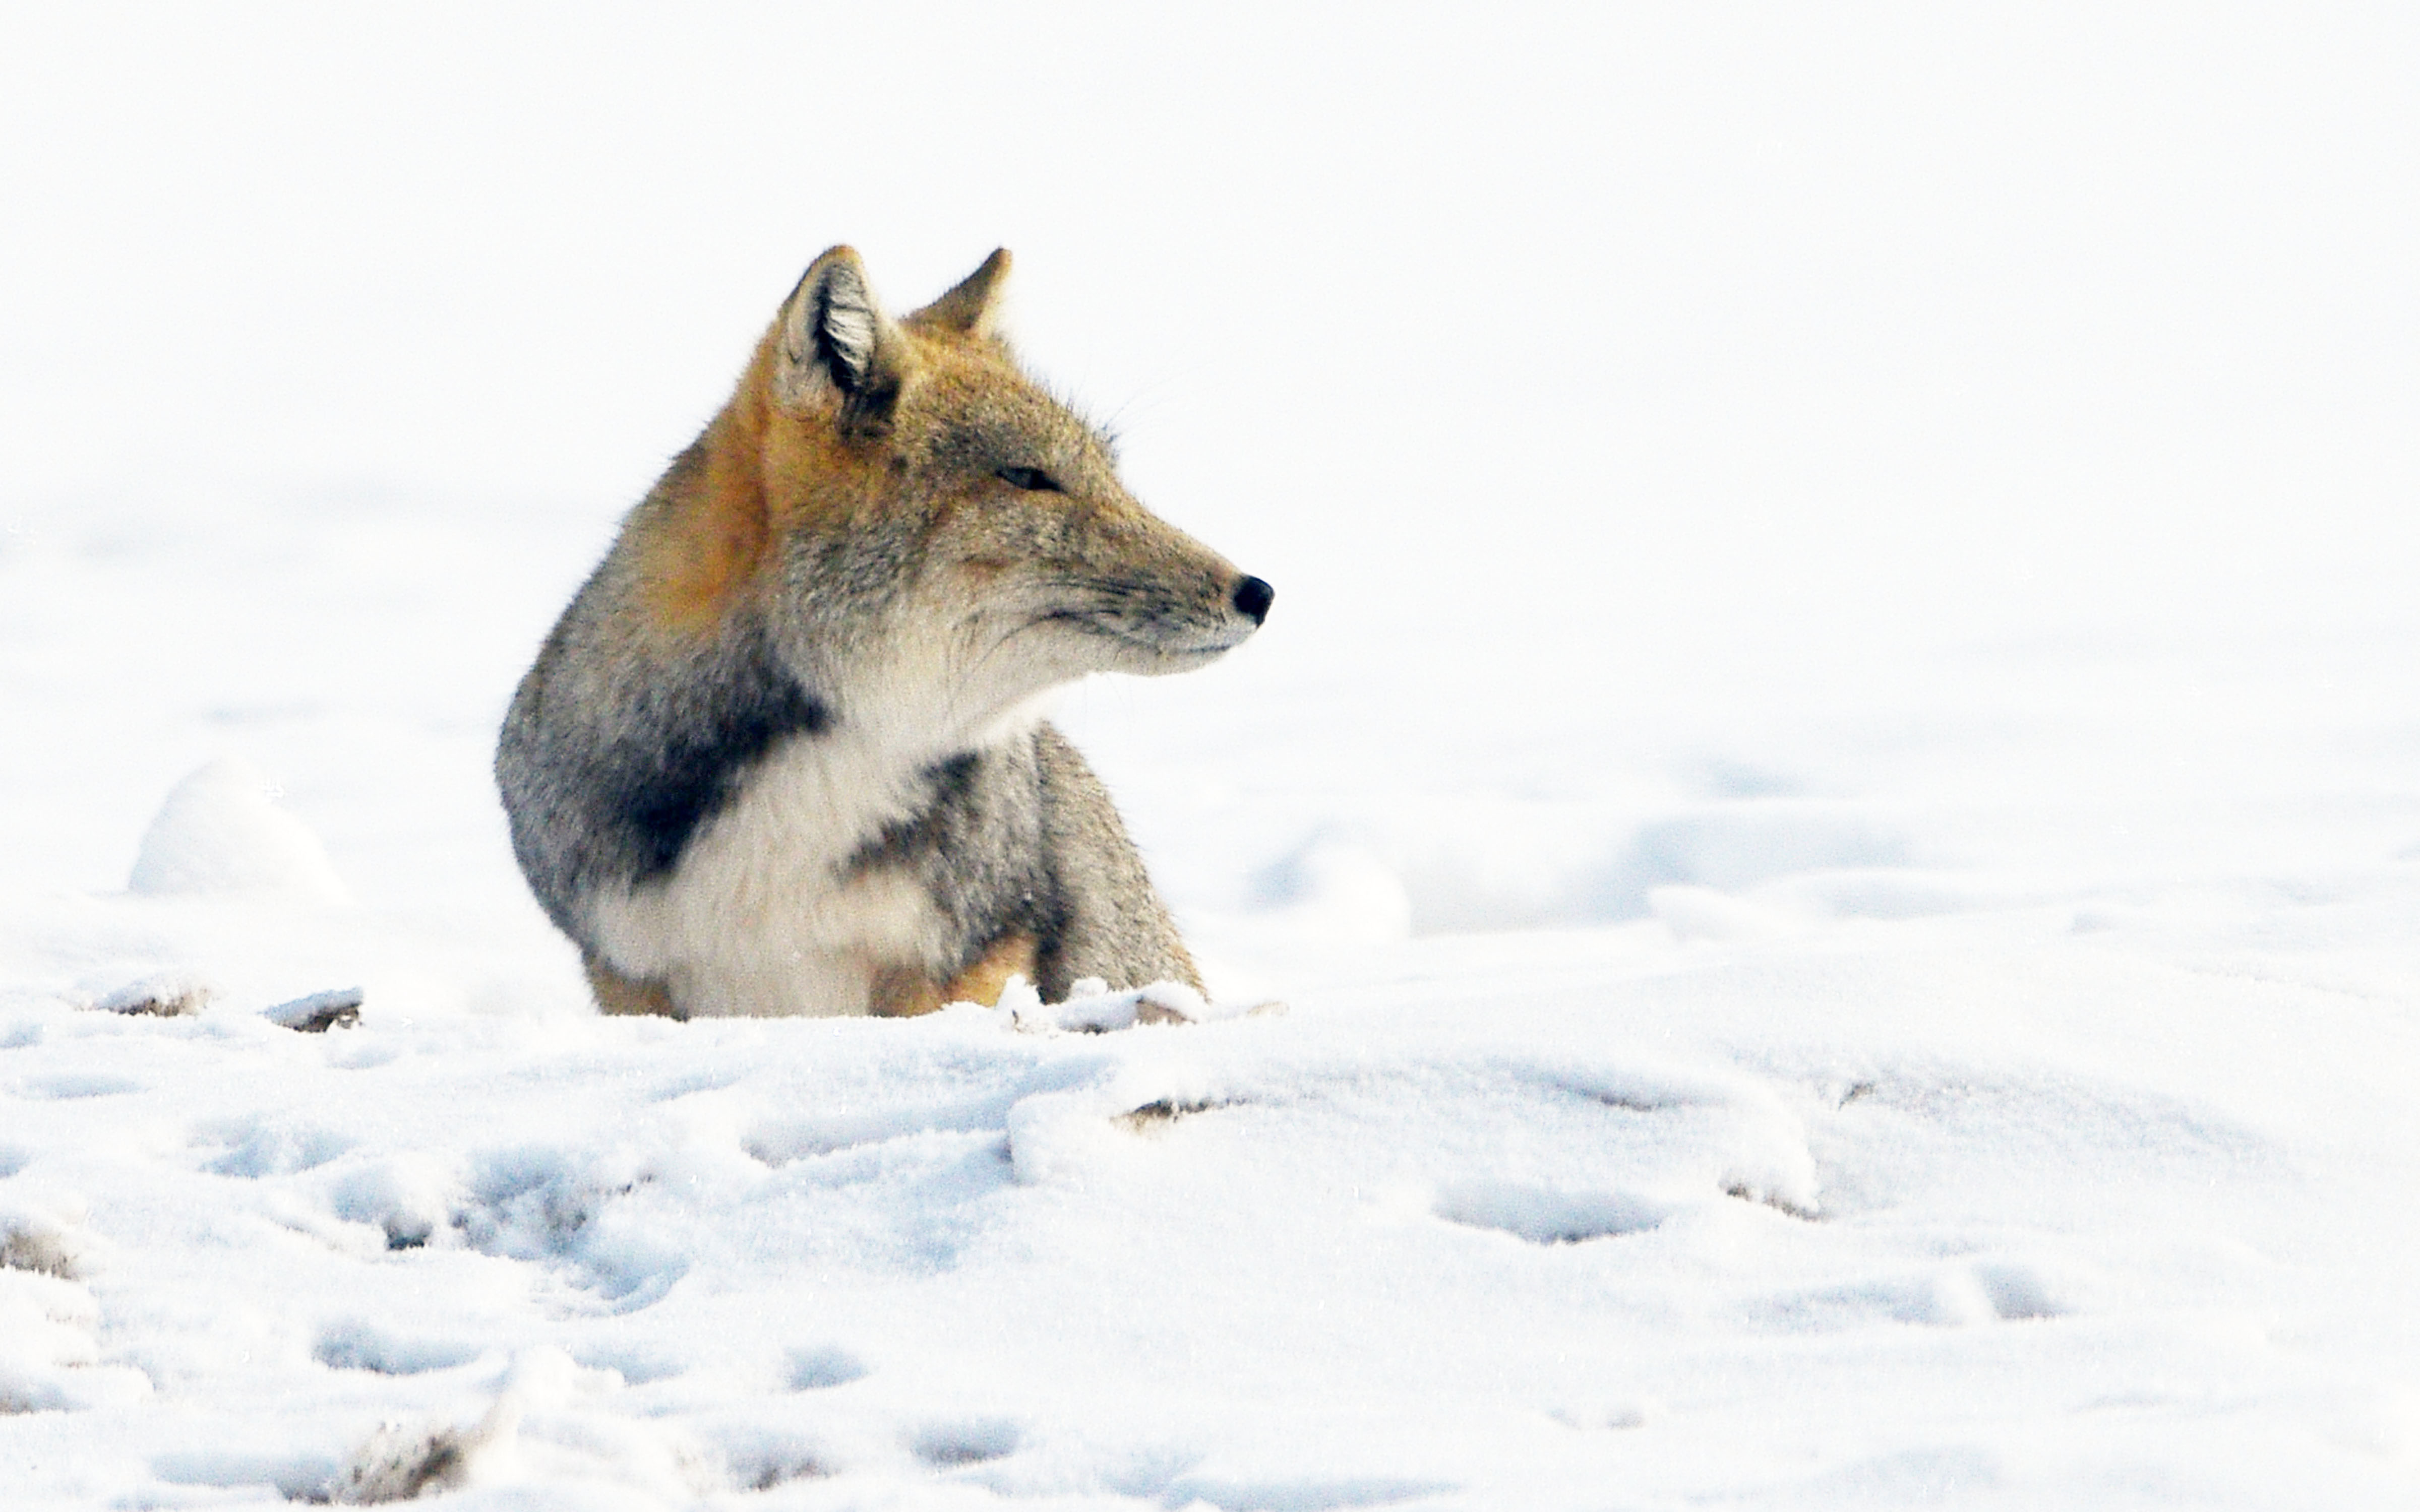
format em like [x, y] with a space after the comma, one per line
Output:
[1832, 791]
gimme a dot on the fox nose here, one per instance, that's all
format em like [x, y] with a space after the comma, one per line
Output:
[1253, 596]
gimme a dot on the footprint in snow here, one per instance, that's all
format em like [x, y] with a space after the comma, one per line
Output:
[1953, 1296]
[1300, 1495]
[762, 1466]
[81, 1084]
[256, 1147]
[1545, 1215]
[357, 1346]
[968, 1442]
[823, 1367]
[638, 1365]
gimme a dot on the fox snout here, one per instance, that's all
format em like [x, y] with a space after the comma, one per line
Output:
[1180, 607]
[1239, 611]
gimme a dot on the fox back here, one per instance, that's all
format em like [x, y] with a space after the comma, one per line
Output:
[783, 753]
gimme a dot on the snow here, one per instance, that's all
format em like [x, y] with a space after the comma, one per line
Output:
[1830, 799]
[220, 833]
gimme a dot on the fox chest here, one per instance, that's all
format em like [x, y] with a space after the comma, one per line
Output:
[773, 907]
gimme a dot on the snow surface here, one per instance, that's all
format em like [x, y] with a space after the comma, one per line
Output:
[1832, 795]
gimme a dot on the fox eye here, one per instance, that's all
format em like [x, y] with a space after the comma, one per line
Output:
[1030, 479]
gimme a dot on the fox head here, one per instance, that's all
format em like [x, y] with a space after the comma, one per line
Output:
[920, 524]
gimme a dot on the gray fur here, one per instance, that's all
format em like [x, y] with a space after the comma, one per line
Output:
[1024, 837]
[1111, 923]
[610, 758]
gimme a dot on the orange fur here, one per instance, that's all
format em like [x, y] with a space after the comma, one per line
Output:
[757, 473]
[904, 994]
[618, 993]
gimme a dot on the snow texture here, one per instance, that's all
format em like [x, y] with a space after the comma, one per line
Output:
[1832, 793]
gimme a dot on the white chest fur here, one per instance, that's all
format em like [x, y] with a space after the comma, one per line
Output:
[763, 915]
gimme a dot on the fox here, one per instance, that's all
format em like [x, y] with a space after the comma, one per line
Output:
[787, 753]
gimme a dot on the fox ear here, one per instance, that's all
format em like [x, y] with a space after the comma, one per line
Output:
[835, 338]
[973, 308]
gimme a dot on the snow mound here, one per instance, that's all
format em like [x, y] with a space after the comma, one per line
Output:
[220, 833]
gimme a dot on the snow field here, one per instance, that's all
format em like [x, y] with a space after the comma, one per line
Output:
[1903, 1210]
[1830, 791]
[1863, 1115]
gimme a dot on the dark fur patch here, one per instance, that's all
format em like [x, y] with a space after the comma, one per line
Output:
[974, 845]
[667, 793]
[612, 792]
[953, 808]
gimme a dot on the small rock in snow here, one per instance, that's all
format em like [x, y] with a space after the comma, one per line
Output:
[167, 994]
[318, 1013]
